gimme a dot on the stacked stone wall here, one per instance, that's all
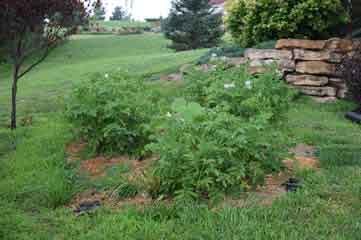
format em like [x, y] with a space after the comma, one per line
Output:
[308, 65]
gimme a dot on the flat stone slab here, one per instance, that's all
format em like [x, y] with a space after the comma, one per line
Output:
[325, 55]
[316, 67]
[340, 45]
[318, 91]
[300, 43]
[306, 80]
[259, 54]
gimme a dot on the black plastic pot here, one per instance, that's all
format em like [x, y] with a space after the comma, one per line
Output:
[292, 185]
[354, 116]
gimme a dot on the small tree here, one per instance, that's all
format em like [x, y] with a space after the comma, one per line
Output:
[30, 29]
[193, 24]
[119, 14]
[99, 10]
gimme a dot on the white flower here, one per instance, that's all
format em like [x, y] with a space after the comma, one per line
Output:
[229, 85]
[46, 20]
[106, 75]
[248, 84]
[214, 55]
[169, 114]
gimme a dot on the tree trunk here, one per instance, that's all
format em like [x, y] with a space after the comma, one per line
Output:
[14, 91]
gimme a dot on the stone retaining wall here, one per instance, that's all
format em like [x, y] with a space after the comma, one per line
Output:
[307, 65]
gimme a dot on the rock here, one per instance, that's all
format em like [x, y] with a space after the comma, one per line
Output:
[299, 43]
[316, 67]
[287, 65]
[262, 62]
[338, 82]
[172, 77]
[342, 93]
[317, 91]
[236, 61]
[257, 70]
[339, 45]
[254, 54]
[324, 99]
[307, 55]
[306, 80]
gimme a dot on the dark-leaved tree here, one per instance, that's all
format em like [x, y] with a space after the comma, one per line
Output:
[30, 29]
[119, 14]
[99, 10]
[193, 24]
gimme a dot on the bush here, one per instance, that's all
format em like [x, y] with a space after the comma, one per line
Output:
[350, 69]
[204, 153]
[193, 24]
[112, 113]
[225, 51]
[251, 22]
[239, 93]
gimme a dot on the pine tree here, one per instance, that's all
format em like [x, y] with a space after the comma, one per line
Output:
[193, 24]
[99, 11]
[119, 14]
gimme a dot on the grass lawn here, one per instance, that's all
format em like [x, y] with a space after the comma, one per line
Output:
[124, 24]
[83, 56]
[36, 183]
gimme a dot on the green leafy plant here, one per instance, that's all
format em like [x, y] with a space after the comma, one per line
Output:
[239, 93]
[112, 113]
[204, 152]
[251, 22]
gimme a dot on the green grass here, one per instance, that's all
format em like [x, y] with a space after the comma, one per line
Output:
[124, 24]
[42, 89]
[35, 182]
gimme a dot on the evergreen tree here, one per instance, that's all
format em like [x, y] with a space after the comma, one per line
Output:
[119, 14]
[193, 24]
[99, 11]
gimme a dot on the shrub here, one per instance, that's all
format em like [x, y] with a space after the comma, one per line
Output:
[112, 113]
[204, 153]
[193, 24]
[251, 22]
[225, 51]
[239, 93]
[350, 69]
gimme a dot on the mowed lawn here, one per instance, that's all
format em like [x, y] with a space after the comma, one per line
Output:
[36, 183]
[81, 57]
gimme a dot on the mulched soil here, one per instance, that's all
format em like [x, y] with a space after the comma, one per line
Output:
[274, 187]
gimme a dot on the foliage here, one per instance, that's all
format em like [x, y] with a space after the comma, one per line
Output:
[33, 28]
[231, 51]
[204, 153]
[224, 51]
[98, 11]
[193, 24]
[350, 69]
[119, 14]
[239, 93]
[251, 22]
[112, 113]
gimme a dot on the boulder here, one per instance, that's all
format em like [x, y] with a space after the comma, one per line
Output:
[306, 80]
[326, 55]
[287, 65]
[316, 67]
[254, 54]
[300, 43]
[318, 91]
